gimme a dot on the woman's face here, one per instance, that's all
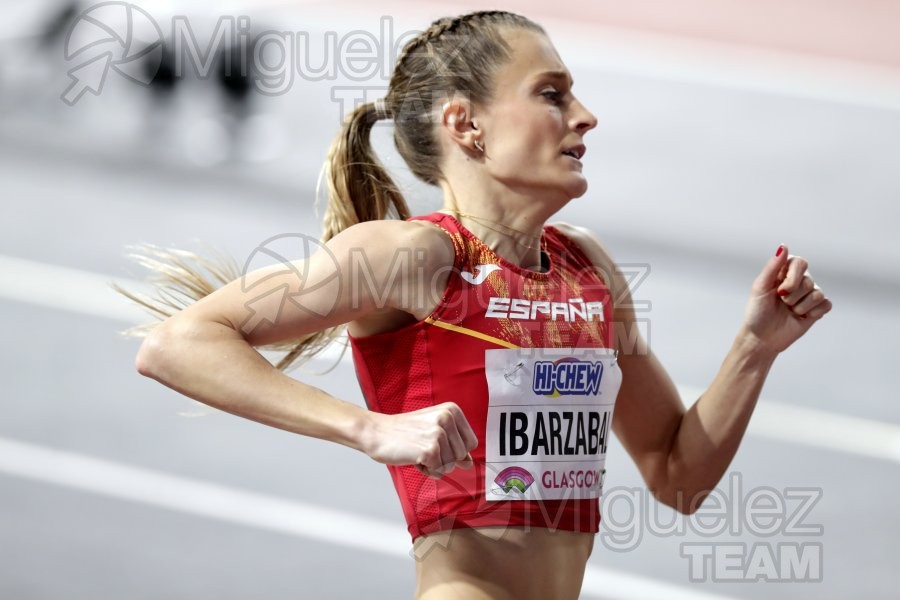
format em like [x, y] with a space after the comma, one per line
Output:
[534, 120]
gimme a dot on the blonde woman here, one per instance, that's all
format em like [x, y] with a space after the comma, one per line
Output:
[492, 362]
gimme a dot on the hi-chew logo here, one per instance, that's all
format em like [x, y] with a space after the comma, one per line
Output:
[567, 376]
[513, 478]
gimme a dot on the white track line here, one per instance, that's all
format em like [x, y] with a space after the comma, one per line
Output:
[211, 500]
[270, 513]
[817, 428]
[64, 288]
[89, 293]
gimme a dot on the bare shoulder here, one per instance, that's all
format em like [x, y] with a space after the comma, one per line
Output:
[387, 239]
[398, 269]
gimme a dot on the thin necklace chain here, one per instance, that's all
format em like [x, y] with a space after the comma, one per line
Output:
[482, 221]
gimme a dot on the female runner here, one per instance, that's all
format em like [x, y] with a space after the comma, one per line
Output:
[483, 337]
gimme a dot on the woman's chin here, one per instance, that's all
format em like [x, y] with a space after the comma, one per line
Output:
[578, 189]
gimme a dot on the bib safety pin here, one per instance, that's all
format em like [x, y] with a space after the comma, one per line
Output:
[508, 374]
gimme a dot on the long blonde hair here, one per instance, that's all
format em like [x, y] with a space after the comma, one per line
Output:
[453, 55]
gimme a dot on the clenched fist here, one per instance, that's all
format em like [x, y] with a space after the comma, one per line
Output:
[436, 439]
[784, 302]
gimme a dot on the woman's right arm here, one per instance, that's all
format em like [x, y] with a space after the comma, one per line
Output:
[206, 351]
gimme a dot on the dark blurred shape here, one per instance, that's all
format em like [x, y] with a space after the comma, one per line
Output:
[58, 25]
[235, 74]
[161, 77]
[161, 119]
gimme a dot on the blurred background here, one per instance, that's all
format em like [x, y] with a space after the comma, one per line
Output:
[725, 128]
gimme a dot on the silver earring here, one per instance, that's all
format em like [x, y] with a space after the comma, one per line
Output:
[479, 146]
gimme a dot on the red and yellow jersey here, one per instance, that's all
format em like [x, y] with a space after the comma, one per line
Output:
[528, 357]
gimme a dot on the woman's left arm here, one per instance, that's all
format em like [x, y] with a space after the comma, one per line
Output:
[683, 453]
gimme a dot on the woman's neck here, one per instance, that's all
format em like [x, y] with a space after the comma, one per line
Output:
[519, 246]
[509, 223]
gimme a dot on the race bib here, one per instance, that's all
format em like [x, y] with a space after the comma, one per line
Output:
[549, 421]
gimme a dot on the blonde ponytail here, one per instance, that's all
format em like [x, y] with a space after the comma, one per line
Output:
[359, 187]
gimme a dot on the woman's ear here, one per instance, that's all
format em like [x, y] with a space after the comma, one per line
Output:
[456, 119]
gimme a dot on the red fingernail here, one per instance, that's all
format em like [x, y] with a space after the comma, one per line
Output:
[779, 251]
[783, 292]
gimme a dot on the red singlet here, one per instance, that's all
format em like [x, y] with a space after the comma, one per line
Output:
[490, 304]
